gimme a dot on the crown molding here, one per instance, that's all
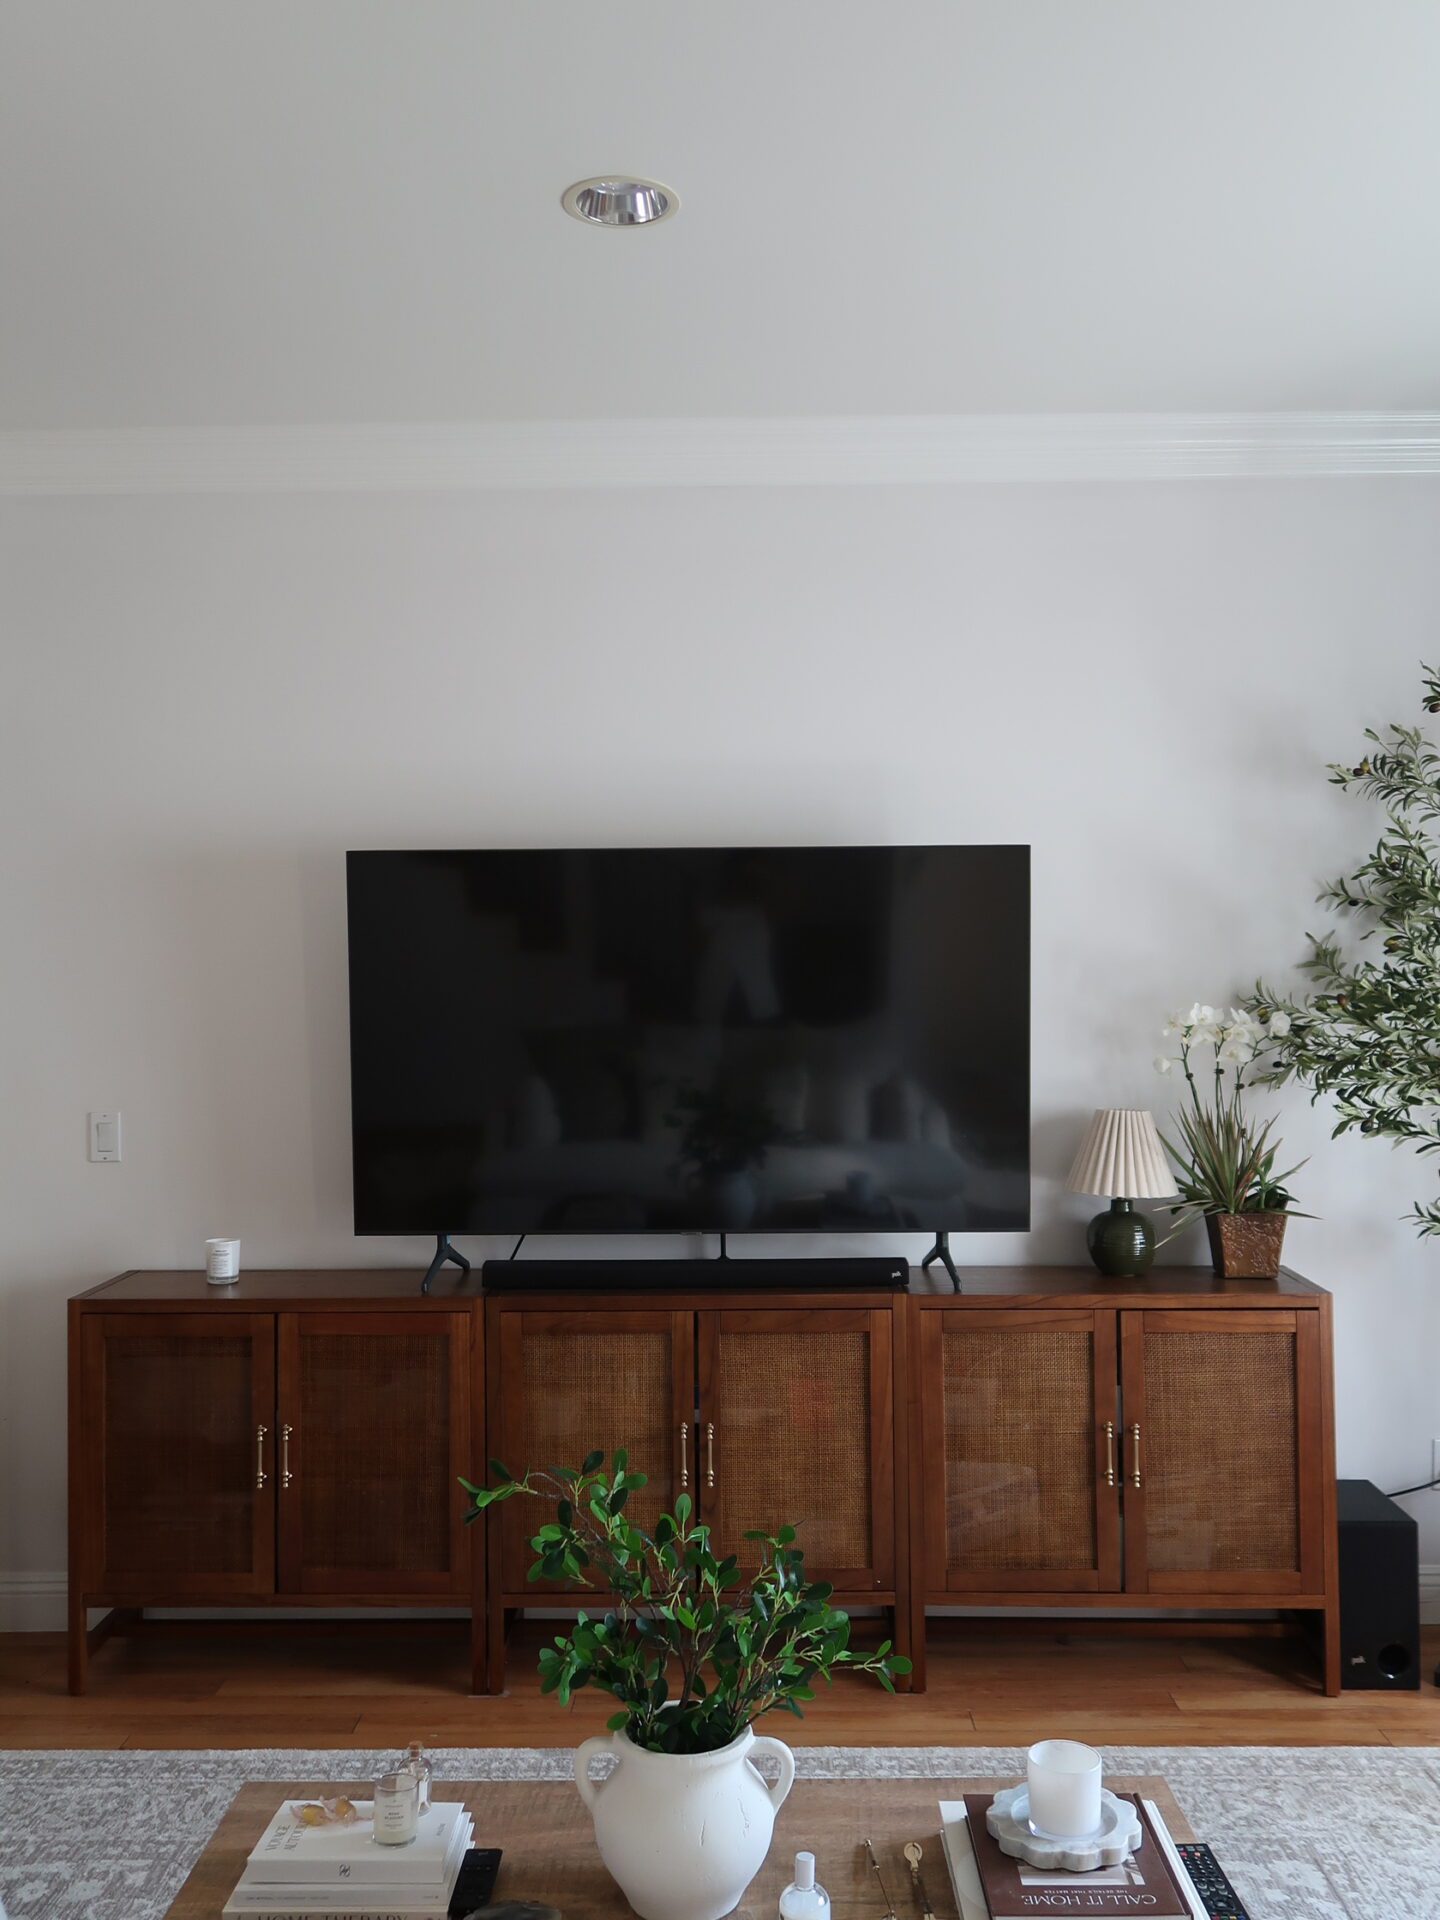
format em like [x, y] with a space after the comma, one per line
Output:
[859, 450]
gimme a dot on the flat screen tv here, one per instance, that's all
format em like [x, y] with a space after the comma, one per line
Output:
[751, 1039]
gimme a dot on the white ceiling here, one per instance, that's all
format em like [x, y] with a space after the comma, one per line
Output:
[347, 210]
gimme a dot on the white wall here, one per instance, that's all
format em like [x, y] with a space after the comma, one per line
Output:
[205, 701]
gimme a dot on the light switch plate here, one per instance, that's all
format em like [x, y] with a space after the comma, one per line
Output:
[105, 1135]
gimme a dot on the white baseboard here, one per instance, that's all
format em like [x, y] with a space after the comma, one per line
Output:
[32, 1602]
[1430, 1596]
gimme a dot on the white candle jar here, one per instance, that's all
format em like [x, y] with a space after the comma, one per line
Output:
[1063, 1777]
[396, 1813]
[222, 1261]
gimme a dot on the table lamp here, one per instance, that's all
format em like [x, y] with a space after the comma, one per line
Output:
[1121, 1155]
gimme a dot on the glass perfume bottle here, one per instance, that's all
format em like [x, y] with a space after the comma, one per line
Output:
[417, 1763]
[804, 1898]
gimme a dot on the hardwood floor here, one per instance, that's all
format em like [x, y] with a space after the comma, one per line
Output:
[342, 1686]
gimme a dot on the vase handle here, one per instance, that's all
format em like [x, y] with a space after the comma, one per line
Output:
[784, 1759]
[587, 1751]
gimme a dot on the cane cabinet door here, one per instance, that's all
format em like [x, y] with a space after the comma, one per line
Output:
[178, 1488]
[1223, 1460]
[795, 1427]
[563, 1385]
[1019, 1456]
[373, 1416]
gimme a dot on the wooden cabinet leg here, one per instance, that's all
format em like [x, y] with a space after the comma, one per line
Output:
[495, 1651]
[915, 1636]
[479, 1648]
[85, 1641]
[79, 1645]
[1330, 1646]
[901, 1636]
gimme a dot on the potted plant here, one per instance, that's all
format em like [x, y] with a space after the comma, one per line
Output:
[1224, 1163]
[695, 1651]
[1369, 1032]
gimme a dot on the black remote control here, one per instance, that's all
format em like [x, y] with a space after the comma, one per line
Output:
[1217, 1896]
[474, 1881]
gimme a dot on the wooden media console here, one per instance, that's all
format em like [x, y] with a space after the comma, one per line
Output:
[1045, 1439]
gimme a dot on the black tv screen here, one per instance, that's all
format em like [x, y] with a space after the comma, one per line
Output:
[812, 1039]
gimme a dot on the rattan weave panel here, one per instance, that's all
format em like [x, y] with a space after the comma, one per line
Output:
[579, 1391]
[1219, 1453]
[792, 1443]
[179, 1452]
[1019, 1449]
[374, 1452]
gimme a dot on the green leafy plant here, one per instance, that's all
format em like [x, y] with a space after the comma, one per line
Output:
[1369, 1032]
[1224, 1162]
[692, 1649]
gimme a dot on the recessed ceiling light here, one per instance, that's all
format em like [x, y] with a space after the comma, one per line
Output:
[610, 201]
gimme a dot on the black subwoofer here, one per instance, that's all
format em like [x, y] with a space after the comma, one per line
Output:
[1379, 1589]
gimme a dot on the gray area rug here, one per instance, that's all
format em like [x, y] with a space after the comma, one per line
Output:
[111, 1835]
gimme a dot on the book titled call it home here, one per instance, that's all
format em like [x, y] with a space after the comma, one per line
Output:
[1142, 1887]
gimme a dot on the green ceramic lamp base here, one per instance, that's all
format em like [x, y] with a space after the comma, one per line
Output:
[1121, 1242]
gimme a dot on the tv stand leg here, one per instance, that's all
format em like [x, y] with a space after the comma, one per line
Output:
[443, 1252]
[941, 1252]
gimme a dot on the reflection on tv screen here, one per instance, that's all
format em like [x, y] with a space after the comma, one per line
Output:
[814, 1039]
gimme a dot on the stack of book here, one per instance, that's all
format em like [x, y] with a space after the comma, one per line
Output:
[991, 1885]
[296, 1872]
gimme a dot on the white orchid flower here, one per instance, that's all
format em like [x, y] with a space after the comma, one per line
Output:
[1175, 1024]
[1278, 1024]
[1200, 1016]
[1163, 1063]
[1242, 1021]
[1236, 1049]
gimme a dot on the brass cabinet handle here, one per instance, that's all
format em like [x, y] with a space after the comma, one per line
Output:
[285, 1474]
[709, 1453]
[260, 1433]
[1109, 1453]
[684, 1453]
[1135, 1453]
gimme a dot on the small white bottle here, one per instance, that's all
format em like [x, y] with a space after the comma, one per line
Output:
[418, 1764]
[804, 1898]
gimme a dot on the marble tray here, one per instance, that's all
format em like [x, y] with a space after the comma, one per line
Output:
[1115, 1839]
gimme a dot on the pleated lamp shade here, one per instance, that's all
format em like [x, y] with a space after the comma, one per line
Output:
[1121, 1154]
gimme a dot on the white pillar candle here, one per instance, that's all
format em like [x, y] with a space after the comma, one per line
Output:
[222, 1261]
[1064, 1781]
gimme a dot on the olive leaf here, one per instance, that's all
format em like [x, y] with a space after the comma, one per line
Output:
[1368, 1033]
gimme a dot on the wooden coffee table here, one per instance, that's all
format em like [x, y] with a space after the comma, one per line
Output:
[550, 1850]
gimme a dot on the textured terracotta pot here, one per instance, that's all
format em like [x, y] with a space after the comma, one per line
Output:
[1246, 1246]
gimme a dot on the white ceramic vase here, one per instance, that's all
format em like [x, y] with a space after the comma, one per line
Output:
[683, 1834]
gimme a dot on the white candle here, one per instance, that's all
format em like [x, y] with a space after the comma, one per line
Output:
[222, 1261]
[1064, 1781]
[396, 1812]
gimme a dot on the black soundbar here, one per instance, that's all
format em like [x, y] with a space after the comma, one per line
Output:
[875, 1273]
